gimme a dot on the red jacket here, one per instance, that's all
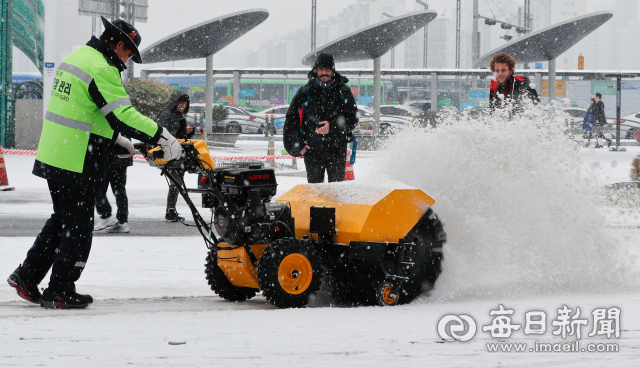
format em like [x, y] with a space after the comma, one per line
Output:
[516, 88]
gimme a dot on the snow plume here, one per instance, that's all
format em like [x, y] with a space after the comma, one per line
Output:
[516, 204]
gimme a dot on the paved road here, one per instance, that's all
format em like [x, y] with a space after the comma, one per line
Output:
[31, 227]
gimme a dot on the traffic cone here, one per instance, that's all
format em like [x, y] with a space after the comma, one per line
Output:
[4, 180]
[348, 172]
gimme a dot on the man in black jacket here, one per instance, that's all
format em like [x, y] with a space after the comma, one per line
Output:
[117, 178]
[599, 120]
[174, 121]
[509, 88]
[321, 116]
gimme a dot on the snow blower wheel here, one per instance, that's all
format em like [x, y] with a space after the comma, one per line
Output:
[289, 273]
[384, 295]
[221, 285]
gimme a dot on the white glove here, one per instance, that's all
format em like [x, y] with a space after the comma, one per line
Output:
[170, 146]
[126, 143]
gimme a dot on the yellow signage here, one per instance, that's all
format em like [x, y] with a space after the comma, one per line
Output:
[560, 88]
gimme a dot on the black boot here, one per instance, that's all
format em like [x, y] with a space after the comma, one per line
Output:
[65, 300]
[26, 291]
[173, 216]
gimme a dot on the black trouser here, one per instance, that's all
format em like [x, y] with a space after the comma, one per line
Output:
[117, 177]
[172, 197]
[316, 162]
[65, 239]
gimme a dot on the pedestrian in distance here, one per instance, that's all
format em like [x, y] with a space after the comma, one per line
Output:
[589, 121]
[117, 178]
[600, 120]
[88, 108]
[174, 120]
[320, 120]
[509, 90]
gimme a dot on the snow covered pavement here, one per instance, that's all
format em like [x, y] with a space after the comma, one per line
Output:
[153, 307]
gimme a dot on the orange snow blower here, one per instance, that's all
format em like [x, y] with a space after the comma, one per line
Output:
[366, 245]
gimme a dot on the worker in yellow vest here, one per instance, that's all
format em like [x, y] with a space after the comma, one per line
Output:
[88, 109]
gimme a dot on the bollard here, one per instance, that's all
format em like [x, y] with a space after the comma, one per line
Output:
[271, 151]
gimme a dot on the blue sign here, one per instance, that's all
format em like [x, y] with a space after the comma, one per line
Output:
[366, 99]
[538, 66]
[465, 104]
[279, 122]
[295, 90]
[49, 65]
[246, 93]
[477, 94]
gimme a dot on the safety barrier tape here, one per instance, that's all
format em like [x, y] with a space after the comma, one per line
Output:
[11, 151]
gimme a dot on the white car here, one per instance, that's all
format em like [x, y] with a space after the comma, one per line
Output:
[407, 113]
[635, 117]
[238, 121]
[388, 124]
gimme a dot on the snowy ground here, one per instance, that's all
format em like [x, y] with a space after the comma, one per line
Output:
[529, 254]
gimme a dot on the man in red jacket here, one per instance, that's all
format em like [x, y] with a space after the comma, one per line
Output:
[509, 89]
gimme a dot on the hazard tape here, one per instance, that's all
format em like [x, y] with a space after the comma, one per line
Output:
[11, 151]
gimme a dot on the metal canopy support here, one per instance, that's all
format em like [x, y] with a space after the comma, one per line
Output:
[376, 94]
[208, 97]
[538, 78]
[426, 36]
[434, 92]
[552, 80]
[236, 88]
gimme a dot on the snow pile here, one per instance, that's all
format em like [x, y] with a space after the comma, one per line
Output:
[517, 205]
[368, 190]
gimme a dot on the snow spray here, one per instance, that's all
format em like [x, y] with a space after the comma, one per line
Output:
[517, 205]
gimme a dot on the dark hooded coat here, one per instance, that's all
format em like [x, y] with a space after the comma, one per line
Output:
[598, 113]
[313, 104]
[174, 121]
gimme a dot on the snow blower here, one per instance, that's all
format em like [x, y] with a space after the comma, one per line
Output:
[364, 245]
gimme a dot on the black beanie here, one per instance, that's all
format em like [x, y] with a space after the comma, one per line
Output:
[325, 60]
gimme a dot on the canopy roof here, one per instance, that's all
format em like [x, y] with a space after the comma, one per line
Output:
[204, 39]
[550, 42]
[375, 40]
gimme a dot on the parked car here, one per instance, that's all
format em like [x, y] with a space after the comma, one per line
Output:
[635, 117]
[418, 104]
[238, 121]
[407, 113]
[388, 124]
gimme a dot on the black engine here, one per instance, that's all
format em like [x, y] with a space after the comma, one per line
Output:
[242, 212]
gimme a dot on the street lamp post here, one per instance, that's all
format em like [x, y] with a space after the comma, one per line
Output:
[313, 24]
[426, 36]
[458, 10]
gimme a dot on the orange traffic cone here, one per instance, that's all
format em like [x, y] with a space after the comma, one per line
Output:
[4, 180]
[348, 172]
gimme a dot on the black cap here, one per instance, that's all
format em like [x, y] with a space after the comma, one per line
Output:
[325, 60]
[127, 33]
[599, 95]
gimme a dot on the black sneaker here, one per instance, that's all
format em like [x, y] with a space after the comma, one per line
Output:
[173, 216]
[28, 292]
[65, 300]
